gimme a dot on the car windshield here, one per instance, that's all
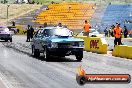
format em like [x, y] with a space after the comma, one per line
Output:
[57, 32]
[1, 29]
[4, 29]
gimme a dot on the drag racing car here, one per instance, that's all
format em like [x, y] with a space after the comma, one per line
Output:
[56, 41]
[5, 34]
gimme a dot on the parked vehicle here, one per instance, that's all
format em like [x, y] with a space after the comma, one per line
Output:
[5, 34]
[92, 33]
[57, 41]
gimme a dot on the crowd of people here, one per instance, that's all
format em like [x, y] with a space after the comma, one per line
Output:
[30, 33]
[30, 30]
[115, 31]
[109, 32]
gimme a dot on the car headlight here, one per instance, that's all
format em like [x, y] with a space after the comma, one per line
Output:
[54, 45]
[81, 44]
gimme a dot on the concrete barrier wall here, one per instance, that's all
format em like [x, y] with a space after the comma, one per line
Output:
[21, 29]
[94, 44]
[122, 51]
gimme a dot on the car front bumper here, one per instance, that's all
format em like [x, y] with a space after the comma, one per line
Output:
[5, 36]
[65, 51]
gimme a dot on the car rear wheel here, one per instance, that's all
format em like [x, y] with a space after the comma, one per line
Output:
[35, 52]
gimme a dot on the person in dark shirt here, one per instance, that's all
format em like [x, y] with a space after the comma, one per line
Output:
[59, 25]
[125, 32]
[28, 33]
[45, 24]
[112, 29]
[31, 32]
[106, 32]
[13, 23]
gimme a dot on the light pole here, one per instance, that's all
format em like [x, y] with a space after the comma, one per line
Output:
[7, 12]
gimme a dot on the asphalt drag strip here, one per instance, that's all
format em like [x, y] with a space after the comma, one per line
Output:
[24, 71]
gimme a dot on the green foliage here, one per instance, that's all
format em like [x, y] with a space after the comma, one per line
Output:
[96, 1]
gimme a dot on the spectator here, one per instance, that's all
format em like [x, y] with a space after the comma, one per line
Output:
[117, 34]
[110, 3]
[16, 2]
[13, 23]
[28, 33]
[109, 32]
[31, 32]
[33, 2]
[112, 29]
[45, 24]
[69, 8]
[5, 1]
[59, 25]
[40, 27]
[86, 28]
[2, 2]
[125, 32]
[18, 30]
[47, 8]
[106, 32]
[37, 2]
[52, 2]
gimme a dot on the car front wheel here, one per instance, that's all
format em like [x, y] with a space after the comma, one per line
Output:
[11, 40]
[35, 52]
[6, 40]
[46, 53]
[79, 56]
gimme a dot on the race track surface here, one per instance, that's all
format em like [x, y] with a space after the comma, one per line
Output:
[19, 69]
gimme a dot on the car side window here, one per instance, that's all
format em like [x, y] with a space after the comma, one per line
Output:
[46, 33]
[38, 33]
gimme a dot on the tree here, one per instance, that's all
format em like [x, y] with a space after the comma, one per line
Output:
[5, 1]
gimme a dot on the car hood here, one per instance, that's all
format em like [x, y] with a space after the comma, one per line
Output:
[4, 32]
[68, 39]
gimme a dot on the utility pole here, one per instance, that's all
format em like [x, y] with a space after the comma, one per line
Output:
[7, 12]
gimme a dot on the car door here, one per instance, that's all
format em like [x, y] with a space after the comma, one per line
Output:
[44, 38]
[37, 40]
